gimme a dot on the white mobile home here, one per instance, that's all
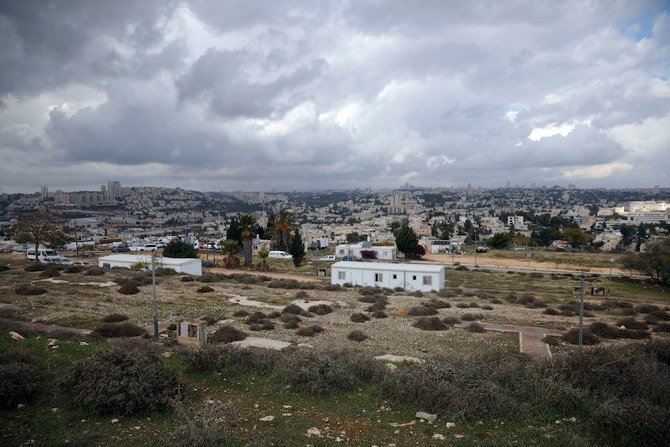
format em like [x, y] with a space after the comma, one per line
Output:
[387, 253]
[417, 276]
[191, 266]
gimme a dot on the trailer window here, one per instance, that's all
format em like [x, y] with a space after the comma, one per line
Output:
[378, 277]
[395, 276]
[341, 275]
[427, 280]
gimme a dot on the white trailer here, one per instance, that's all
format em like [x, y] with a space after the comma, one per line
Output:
[191, 266]
[415, 276]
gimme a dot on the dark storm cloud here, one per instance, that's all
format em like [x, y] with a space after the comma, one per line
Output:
[261, 95]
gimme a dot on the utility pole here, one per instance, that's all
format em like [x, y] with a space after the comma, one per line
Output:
[153, 293]
[581, 314]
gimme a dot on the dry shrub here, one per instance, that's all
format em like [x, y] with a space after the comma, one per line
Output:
[476, 327]
[256, 327]
[430, 324]
[274, 314]
[94, 271]
[291, 325]
[604, 330]
[19, 378]
[226, 334]
[316, 328]
[121, 382]
[320, 309]
[240, 313]
[292, 309]
[129, 288]
[357, 335]
[114, 318]
[487, 307]
[204, 289]
[369, 291]
[305, 332]
[359, 318]
[634, 420]
[472, 317]
[376, 306]
[632, 323]
[462, 305]
[186, 279]
[531, 302]
[230, 360]
[113, 330]
[417, 311]
[327, 372]
[373, 299]
[662, 327]
[332, 288]
[285, 318]
[73, 269]
[26, 290]
[446, 293]
[647, 308]
[306, 314]
[417, 293]
[209, 278]
[451, 320]
[4, 267]
[35, 267]
[211, 319]
[379, 314]
[572, 337]
[302, 295]
[660, 314]
[437, 304]
[550, 311]
[256, 317]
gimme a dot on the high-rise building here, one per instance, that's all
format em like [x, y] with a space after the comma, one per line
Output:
[113, 190]
[44, 193]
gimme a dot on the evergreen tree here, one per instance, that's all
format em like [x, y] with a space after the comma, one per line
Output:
[179, 249]
[406, 240]
[297, 248]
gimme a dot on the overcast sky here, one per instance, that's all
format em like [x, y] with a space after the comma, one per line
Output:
[295, 95]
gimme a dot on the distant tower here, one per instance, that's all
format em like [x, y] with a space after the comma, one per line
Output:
[509, 185]
[44, 192]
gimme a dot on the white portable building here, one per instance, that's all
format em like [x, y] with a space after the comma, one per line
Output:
[191, 266]
[384, 252]
[416, 276]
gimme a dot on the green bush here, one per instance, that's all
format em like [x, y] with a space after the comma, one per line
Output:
[179, 249]
[113, 330]
[121, 382]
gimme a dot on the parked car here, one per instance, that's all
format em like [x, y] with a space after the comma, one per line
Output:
[56, 260]
[145, 247]
[81, 264]
[327, 258]
[276, 254]
[482, 249]
[121, 249]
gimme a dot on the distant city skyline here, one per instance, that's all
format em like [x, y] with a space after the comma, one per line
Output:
[261, 96]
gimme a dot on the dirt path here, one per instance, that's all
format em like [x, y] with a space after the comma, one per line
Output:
[268, 274]
[530, 337]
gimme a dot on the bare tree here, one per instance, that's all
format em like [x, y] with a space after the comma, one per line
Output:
[37, 227]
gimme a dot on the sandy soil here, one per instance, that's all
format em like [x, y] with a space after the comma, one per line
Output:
[487, 261]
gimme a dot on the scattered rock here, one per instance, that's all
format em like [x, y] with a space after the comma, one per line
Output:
[305, 345]
[313, 432]
[426, 416]
[267, 419]
[115, 420]
[83, 343]
[457, 436]
[167, 354]
[397, 425]
[439, 437]
[19, 406]
[16, 336]
[451, 424]
[391, 367]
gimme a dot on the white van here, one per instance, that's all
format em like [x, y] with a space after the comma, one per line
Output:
[43, 254]
[276, 254]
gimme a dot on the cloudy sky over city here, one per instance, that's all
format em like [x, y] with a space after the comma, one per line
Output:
[296, 95]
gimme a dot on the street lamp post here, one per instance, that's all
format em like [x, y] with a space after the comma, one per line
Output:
[581, 313]
[153, 293]
[475, 241]
[609, 280]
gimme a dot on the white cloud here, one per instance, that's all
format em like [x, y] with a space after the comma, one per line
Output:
[597, 171]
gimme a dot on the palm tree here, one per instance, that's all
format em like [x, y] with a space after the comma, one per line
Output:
[263, 254]
[248, 225]
[283, 224]
[230, 248]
